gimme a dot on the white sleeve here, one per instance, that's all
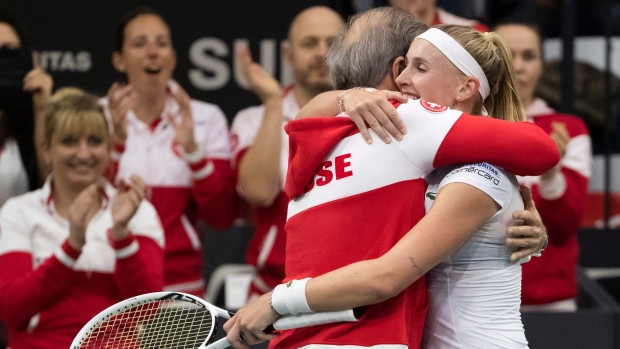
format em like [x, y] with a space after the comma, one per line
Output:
[211, 129]
[14, 232]
[244, 128]
[427, 126]
[490, 179]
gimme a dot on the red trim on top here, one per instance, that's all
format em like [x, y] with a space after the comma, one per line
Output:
[199, 165]
[287, 89]
[70, 251]
[154, 124]
[118, 147]
[395, 103]
[119, 244]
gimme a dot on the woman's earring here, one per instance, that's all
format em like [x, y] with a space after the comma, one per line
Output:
[458, 98]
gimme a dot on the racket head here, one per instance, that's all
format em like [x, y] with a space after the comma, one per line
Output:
[153, 320]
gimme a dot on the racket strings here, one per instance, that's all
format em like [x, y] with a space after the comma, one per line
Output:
[161, 324]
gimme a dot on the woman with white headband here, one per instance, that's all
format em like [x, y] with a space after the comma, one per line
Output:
[474, 287]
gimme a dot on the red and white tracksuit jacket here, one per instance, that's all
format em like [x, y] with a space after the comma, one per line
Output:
[336, 181]
[444, 17]
[561, 202]
[266, 249]
[182, 189]
[48, 290]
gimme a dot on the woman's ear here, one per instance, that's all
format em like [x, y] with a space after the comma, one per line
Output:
[469, 88]
[118, 62]
[398, 66]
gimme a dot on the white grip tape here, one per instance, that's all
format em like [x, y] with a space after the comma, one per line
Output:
[290, 298]
[288, 322]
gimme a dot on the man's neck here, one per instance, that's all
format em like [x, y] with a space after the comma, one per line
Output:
[387, 84]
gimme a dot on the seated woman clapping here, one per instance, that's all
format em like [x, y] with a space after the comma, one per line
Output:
[75, 246]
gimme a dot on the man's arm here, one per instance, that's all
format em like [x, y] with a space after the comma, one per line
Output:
[259, 168]
[531, 237]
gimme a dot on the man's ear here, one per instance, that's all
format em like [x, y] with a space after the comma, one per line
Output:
[397, 67]
[288, 51]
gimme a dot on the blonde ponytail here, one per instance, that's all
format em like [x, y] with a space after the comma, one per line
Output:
[495, 59]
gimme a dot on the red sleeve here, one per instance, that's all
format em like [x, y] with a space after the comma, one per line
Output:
[138, 271]
[25, 292]
[214, 192]
[562, 216]
[480, 139]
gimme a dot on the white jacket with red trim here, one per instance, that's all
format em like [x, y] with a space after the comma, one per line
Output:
[266, 248]
[561, 202]
[48, 290]
[352, 201]
[183, 188]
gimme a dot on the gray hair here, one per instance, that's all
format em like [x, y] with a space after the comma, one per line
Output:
[386, 35]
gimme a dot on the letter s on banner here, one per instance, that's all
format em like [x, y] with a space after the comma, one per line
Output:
[218, 69]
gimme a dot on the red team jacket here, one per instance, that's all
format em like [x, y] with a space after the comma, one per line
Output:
[183, 190]
[48, 290]
[553, 276]
[352, 201]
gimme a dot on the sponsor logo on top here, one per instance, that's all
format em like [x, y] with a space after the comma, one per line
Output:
[432, 107]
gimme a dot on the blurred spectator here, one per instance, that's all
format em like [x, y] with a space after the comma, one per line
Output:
[429, 13]
[179, 146]
[260, 145]
[550, 282]
[76, 246]
[20, 171]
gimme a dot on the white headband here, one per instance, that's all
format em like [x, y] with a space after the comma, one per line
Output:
[458, 56]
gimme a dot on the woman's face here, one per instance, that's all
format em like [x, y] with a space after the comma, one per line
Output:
[526, 56]
[78, 160]
[429, 75]
[8, 36]
[148, 57]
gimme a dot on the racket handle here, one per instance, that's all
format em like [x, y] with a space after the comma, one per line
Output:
[220, 344]
[287, 322]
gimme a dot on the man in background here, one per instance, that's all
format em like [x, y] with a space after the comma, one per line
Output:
[260, 145]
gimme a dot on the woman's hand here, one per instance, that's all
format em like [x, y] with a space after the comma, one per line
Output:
[121, 99]
[259, 81]
[40, 84]
[125, 205]
[251, 320]
[82, 209]
[373, 108]
[184, 127]
[561, 137]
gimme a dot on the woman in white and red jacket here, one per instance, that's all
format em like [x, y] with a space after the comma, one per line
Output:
[178, 145]
[550, 282]
[75, 246]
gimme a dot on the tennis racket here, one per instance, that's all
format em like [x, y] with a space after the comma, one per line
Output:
[175, 320]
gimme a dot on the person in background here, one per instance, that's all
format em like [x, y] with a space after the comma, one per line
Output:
[550, 283]
[21, 168]
[75, 246]
[260, 145]
[429, 13]
[179, 146]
